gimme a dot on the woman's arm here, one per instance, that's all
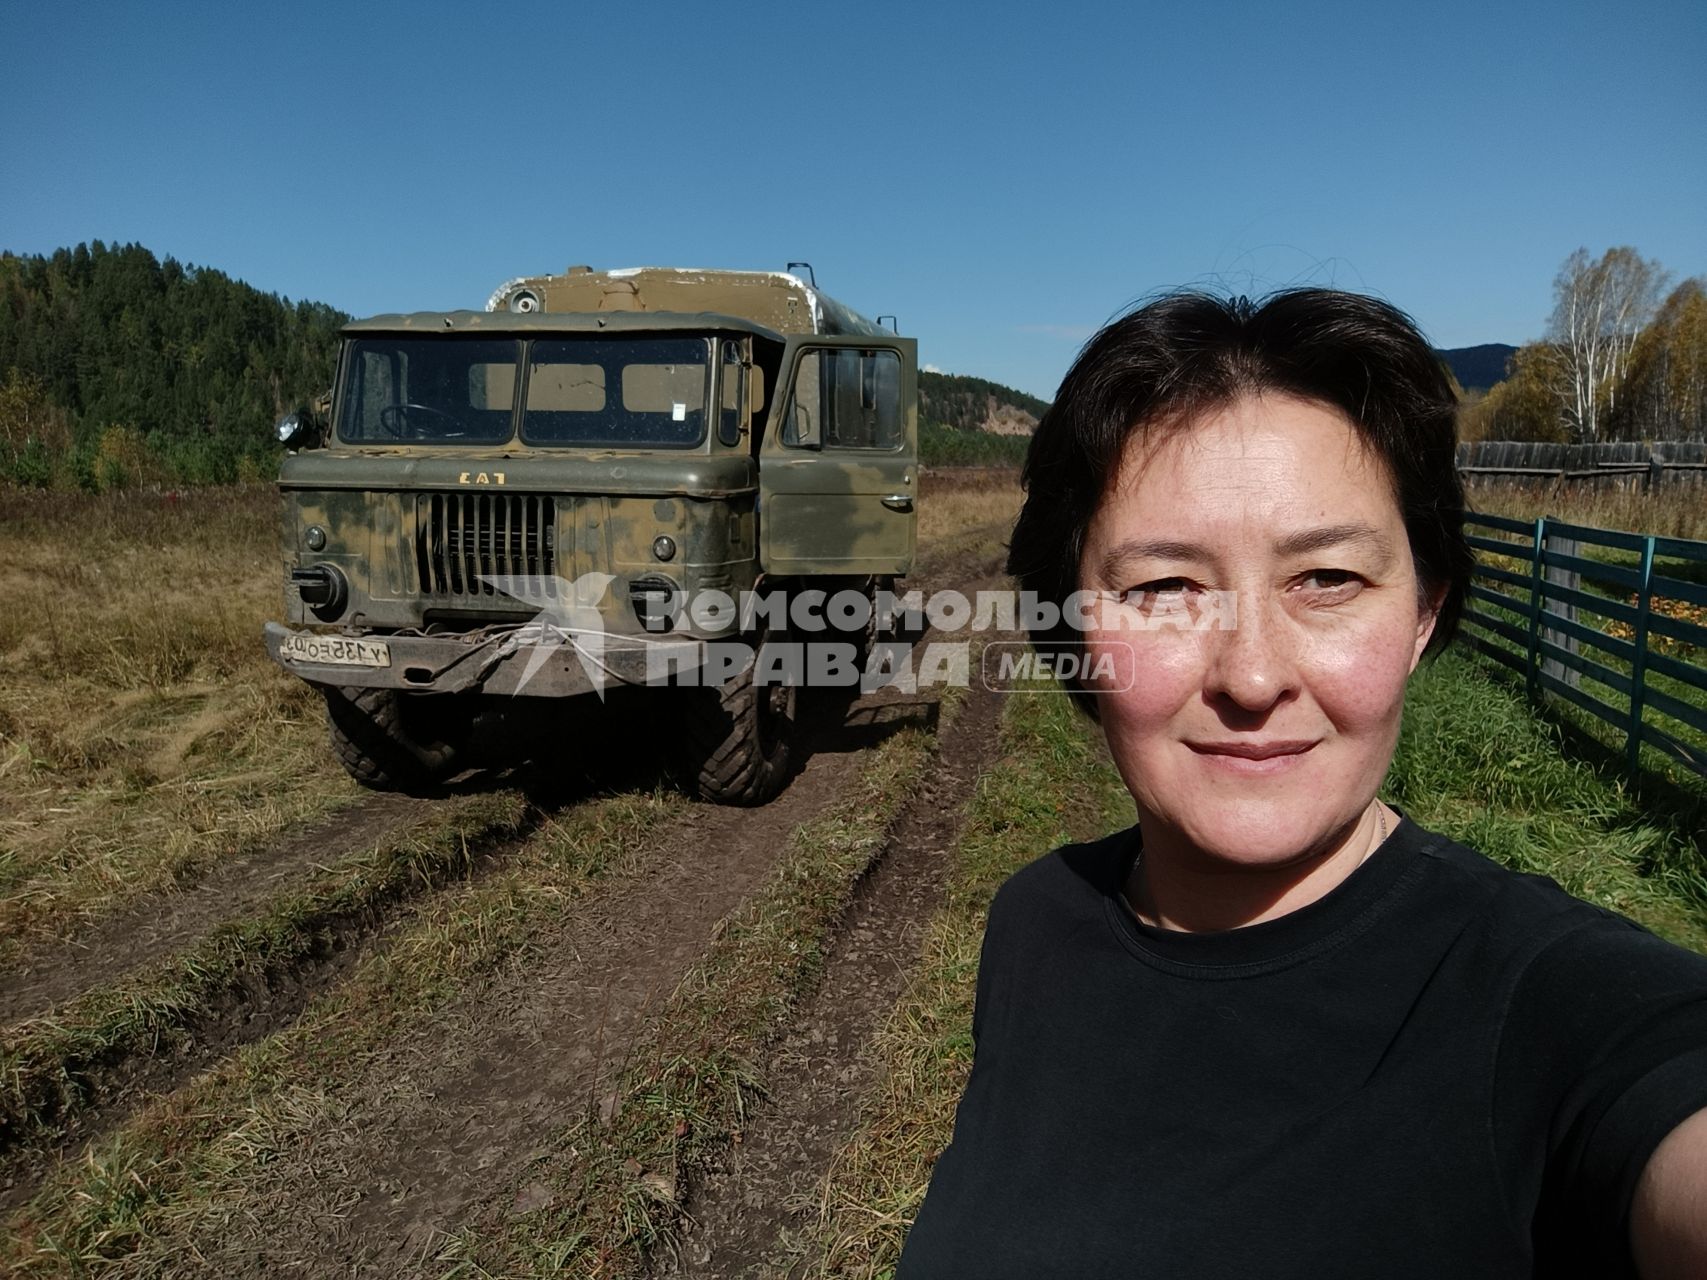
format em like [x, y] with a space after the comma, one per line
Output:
[1668, 1220]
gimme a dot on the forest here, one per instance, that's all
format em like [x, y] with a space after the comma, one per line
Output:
[1624, 357]
[119, 368]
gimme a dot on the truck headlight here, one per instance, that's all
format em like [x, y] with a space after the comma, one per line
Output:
[322, 588]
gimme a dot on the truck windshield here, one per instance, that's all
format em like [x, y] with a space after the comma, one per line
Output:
[429, 391]
[645, 391]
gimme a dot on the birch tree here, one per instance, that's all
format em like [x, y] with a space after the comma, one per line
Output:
[1599, 308]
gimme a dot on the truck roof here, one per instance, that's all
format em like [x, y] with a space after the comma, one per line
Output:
[502, 322]
[778, 301]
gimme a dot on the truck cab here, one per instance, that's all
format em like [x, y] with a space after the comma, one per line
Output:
[589, 456]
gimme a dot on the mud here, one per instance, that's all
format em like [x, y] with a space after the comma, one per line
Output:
[165, 922]
[442, 1116]
[740, 1216]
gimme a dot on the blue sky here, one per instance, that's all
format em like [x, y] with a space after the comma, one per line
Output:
[1003, 177]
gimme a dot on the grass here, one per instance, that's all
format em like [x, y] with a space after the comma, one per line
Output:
[159, 1187]
[1672, 511]
[46, 1063]
[967, 517]
[1053, 784]
[615, 1181]
[1475, 763]
[144, 735]
[1601, 733]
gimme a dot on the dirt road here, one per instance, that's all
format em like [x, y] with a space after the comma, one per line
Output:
[402, 1143]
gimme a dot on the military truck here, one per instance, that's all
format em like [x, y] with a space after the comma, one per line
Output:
[576, 464]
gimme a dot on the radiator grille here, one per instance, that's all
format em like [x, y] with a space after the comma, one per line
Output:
[461, 539]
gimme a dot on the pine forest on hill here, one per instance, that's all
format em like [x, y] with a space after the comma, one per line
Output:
[117, 367]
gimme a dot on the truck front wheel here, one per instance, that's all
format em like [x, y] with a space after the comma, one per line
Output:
[739, 738]
[393, 741]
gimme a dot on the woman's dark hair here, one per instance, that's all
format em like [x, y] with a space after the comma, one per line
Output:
[1187, 354]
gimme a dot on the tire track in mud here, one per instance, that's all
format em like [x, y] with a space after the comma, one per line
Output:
[261, 998]
[738, 1216]
[449, 1111]
[163, 922]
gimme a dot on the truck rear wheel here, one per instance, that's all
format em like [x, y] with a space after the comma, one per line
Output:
[393, 741]
[739, 739]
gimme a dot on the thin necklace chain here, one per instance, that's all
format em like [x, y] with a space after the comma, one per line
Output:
[1380, 818]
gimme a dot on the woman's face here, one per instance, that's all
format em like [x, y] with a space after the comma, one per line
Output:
[1258, 733]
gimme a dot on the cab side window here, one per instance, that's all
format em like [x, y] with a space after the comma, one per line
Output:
[845, 398]
[802, 424]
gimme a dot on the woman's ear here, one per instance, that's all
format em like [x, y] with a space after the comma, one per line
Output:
[1429, 601]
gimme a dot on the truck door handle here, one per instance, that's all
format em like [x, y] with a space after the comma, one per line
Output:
[898, 502]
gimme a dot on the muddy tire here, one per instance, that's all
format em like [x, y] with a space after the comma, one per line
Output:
[738, 740]
[393, 741]
[876, 630]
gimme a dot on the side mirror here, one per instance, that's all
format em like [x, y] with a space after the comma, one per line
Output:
[298, 429]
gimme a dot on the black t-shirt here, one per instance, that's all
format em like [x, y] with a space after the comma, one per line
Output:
[1440, 1069]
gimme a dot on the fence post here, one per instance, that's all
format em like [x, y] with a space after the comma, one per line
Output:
[1533, 667]
[1561, 577]
[1639, 663]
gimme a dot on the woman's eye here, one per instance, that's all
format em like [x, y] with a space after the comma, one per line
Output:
[1332, 582]
[1160, 593]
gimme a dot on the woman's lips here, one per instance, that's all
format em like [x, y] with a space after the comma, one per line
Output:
[1253, 757]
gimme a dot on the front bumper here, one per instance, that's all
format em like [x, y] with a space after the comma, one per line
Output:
[522, 660]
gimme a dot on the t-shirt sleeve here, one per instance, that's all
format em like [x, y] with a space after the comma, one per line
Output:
[1603, 1053]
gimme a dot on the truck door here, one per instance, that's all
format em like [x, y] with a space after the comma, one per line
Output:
[839, 463]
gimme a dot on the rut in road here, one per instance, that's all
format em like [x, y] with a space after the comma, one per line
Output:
[162, 923]
[445, 1114]
[738, 1216]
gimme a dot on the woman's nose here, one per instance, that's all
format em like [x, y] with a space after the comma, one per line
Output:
[1253, 663]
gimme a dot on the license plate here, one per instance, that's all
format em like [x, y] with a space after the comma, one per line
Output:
[339, 651]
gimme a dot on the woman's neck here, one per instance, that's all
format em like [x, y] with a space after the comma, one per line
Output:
[1174, 886]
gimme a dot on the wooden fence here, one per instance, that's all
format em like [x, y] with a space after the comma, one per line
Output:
[1645, 464]
[1615, 623]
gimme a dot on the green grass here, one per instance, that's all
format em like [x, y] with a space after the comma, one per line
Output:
[1476, 764]
[1605, 727]
[45, 1063]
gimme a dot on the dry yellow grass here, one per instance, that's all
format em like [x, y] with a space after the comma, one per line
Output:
[955, 503]
[144, 735]
[1679, 511]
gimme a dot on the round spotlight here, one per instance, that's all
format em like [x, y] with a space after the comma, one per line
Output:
[664, 547]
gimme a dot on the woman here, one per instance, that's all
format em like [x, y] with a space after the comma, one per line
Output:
[1288, 1032]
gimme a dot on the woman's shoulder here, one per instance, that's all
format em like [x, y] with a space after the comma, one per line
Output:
[1530, 920]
